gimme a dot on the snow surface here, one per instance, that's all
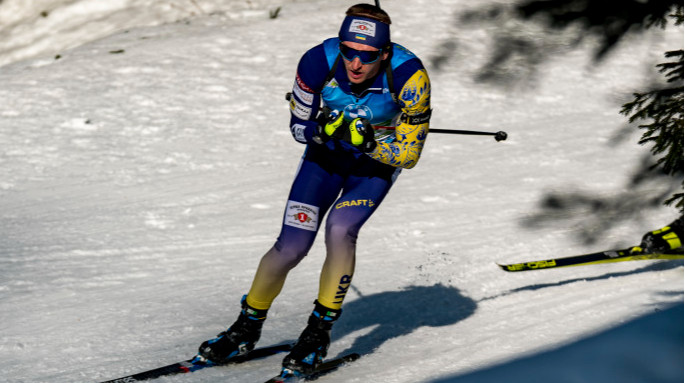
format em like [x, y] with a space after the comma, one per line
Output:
[144, 173]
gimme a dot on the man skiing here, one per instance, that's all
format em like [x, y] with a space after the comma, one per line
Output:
[376, 103]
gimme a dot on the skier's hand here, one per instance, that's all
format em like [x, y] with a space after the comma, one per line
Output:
[362, 135]
[329, 124]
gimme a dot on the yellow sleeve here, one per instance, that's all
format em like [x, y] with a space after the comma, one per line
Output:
[405, 151]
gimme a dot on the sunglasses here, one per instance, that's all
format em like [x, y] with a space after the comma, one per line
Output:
[366, 57]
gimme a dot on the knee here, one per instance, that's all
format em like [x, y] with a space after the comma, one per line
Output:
[290, 254]
[337, 233]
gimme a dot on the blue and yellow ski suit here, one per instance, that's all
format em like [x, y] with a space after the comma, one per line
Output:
[337, 179]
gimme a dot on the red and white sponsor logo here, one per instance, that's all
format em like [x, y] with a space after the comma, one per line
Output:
[302, 215]
[302, 85]
[306, 97]
[363, 27]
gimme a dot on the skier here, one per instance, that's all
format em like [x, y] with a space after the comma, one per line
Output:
[376, 97]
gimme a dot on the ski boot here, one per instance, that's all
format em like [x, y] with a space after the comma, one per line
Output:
[312, 346]
[667, 238]
[239, 339]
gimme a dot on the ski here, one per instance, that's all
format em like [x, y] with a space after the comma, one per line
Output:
[322, 369]
[198, 363]
[629, 254]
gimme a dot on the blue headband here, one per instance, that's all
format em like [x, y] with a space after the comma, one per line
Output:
[366, 31]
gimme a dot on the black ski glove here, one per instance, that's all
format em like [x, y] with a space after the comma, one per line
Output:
[329, 123]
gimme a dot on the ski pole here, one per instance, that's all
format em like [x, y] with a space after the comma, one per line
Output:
[499, 136]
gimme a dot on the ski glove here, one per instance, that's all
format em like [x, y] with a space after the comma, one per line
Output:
[359, 132]
[362, 135]
[330, 122]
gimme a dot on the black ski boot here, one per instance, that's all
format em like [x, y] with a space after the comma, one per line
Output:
[667, 238]
[239, 339]
[312, 346]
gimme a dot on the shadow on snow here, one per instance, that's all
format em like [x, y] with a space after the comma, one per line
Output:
[398, 313]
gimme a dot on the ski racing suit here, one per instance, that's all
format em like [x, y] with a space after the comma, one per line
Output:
[337, 178]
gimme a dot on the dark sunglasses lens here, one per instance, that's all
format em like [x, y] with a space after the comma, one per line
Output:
[364, 56]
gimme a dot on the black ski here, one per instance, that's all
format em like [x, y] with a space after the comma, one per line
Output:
[199, 363]
[629, 254]
[322, 369]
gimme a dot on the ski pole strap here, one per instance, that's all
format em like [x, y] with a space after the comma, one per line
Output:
[391, 82]
[331, 72]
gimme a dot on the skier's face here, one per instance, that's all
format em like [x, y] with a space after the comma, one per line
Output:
[360, 65]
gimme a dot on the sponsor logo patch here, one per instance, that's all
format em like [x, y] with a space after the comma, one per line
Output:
[332, 84]
[298, 132]
[358, 111]
[302, 215]
[363, 27]
[303, 95]
[356, 202]
[298, 110]
[302, 85]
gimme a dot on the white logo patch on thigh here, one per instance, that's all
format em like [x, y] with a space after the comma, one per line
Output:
[302, 215]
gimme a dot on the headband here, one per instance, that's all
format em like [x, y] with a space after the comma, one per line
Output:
[366, 31]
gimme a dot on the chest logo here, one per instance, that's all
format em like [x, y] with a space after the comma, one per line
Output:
[353, 111]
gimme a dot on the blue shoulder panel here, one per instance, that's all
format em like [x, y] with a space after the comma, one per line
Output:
[314, 67]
